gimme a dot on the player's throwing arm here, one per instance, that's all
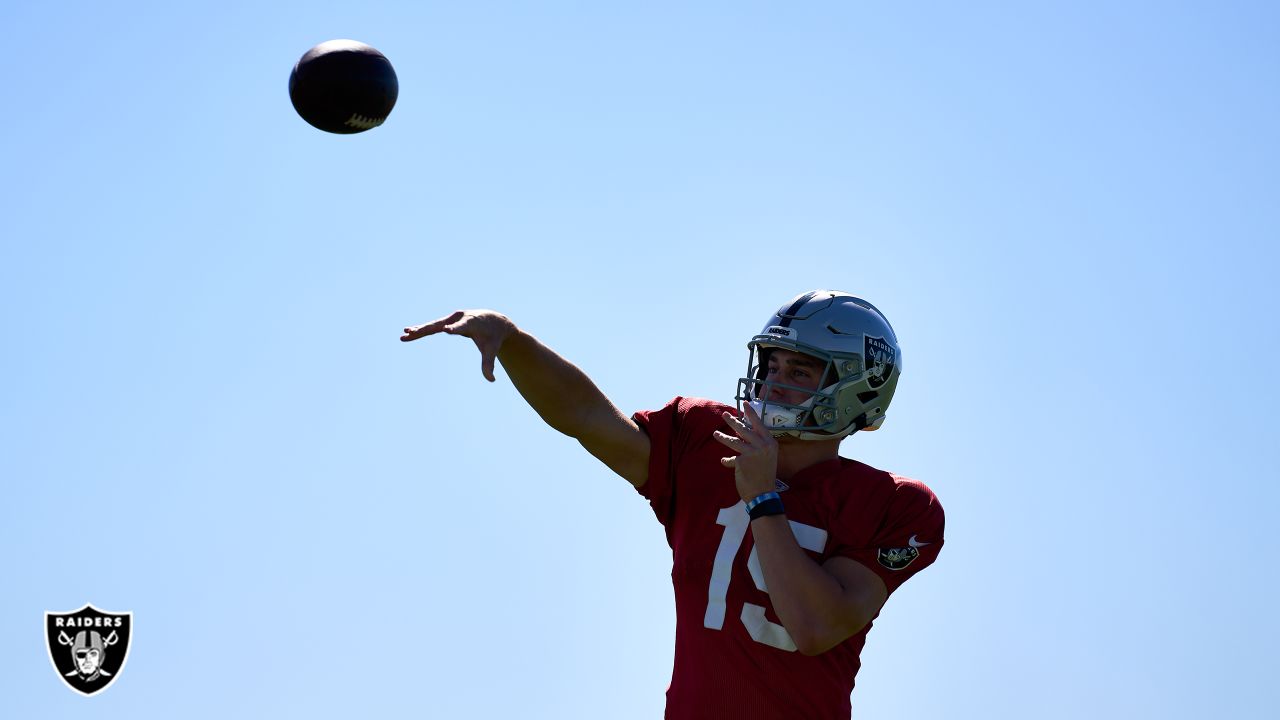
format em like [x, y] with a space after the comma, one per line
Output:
[555, 388]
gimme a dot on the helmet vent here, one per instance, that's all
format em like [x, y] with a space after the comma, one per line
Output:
[833, 329]
[867, 396]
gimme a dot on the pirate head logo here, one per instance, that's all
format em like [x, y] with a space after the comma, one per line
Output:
[879, 357]
[897, 558]
[88, 647]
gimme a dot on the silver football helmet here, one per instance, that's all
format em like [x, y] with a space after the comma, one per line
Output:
[862, 363]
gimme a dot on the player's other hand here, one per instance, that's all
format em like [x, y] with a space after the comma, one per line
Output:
[488, 329]
[755, 464]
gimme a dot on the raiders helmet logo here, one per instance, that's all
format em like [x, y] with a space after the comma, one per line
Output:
[88, 647]
[879, 357]
[897, 558]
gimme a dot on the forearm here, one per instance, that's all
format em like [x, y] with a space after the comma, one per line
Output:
[555, 388]
[805, 596]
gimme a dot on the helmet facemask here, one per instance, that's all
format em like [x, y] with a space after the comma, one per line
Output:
[812, 419]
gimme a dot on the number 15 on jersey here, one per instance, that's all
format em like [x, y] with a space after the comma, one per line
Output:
[735, 522]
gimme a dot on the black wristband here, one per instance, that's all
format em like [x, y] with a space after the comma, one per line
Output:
[772, 506]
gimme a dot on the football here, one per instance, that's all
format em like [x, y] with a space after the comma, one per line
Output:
[344, 87]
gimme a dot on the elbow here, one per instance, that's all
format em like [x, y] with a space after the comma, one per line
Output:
[814, 646]
[815, 641]
[574, 421]
[811, 650]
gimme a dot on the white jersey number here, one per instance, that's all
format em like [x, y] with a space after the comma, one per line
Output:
[736, 521]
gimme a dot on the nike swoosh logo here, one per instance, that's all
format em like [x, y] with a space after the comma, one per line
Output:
[913, 543]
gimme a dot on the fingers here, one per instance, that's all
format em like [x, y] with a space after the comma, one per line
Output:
[736, 444]
[487, 355]
[750, 432]
[419, 331]
[730, 441]
[486, 328]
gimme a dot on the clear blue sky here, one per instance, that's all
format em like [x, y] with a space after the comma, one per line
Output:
[1069, 212]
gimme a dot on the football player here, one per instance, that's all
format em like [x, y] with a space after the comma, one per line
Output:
[784, 552]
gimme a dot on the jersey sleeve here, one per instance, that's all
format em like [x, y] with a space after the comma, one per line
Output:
[665, 444]
[907, 538]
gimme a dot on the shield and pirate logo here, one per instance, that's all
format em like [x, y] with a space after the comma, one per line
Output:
[88, 647]
[879, 357]
[897, 558]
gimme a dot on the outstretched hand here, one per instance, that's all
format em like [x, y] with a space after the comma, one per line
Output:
[488, 329]
[755, 466]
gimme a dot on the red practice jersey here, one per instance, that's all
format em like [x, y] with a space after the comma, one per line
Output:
[733, 659]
